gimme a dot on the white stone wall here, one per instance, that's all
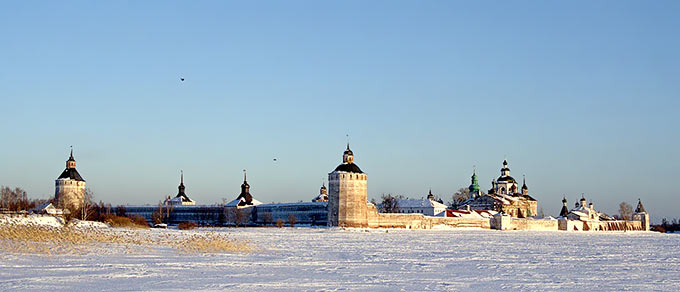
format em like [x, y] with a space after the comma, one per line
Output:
[69, 193]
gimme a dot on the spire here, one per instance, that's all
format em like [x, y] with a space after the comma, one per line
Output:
[181, 184]
[245, 192]
[640, 208]
[71, 162]
[524, 182]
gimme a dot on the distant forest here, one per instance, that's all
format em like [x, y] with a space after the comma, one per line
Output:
[667, 226]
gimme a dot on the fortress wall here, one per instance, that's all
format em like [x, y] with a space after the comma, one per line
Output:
[419, 221]
[620, 225]
[509, 223]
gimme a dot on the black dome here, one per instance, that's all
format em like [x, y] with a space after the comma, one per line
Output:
[349, 167]
[506, 178]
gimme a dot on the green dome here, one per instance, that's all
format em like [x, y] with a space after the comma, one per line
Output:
[474, 187]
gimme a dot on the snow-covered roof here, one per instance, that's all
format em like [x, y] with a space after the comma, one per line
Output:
[43, 206]
[235, 202]
[420, 203]
[293, 204]
[320, 198]
[470, 214]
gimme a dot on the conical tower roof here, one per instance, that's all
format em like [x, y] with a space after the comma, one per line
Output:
[640, 208]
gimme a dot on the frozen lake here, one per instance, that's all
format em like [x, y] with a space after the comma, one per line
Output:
[294, 259]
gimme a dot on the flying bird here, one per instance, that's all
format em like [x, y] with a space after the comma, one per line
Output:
[181, 79]
[275, 160]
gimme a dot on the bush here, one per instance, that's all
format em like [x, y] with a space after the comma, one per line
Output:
[139, 220]
[279, 223]
[659, 228]
[187, 225]
[126, 222]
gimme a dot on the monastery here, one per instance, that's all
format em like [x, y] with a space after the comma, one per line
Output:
[345, 204]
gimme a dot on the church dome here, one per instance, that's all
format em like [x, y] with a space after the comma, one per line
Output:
[348, 162]
[349, 167]
[508, 179]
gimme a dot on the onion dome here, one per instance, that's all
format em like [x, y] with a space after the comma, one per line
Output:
[245, 192]
[430, 196]
[493, 187]
[564, 210]
[348, 151]
[505, 174]
[348, 162]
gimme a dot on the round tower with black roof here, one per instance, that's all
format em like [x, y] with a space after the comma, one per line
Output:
[69, 187]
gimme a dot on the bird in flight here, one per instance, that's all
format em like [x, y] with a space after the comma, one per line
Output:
[181, 79]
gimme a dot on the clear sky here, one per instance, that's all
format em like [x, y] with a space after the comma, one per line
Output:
[582, 97]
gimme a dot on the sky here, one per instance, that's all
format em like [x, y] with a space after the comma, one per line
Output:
[580, 97]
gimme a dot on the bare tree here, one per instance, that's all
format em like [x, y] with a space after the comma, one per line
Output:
[267, 218]
[292, 220]
[625, 211]
[460, 196]
[389, 204]
[237, 216]
[13, 199]
[120, 211]
[87, 209]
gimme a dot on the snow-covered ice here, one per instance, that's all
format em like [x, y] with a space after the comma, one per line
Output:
[300, 259]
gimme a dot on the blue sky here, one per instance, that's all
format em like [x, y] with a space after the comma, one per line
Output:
[580, 97]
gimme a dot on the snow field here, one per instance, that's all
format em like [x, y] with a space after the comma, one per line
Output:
[319, 259]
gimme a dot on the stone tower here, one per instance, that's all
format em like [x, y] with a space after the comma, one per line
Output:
[69, 187]
[641, 215]
[347, 195]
